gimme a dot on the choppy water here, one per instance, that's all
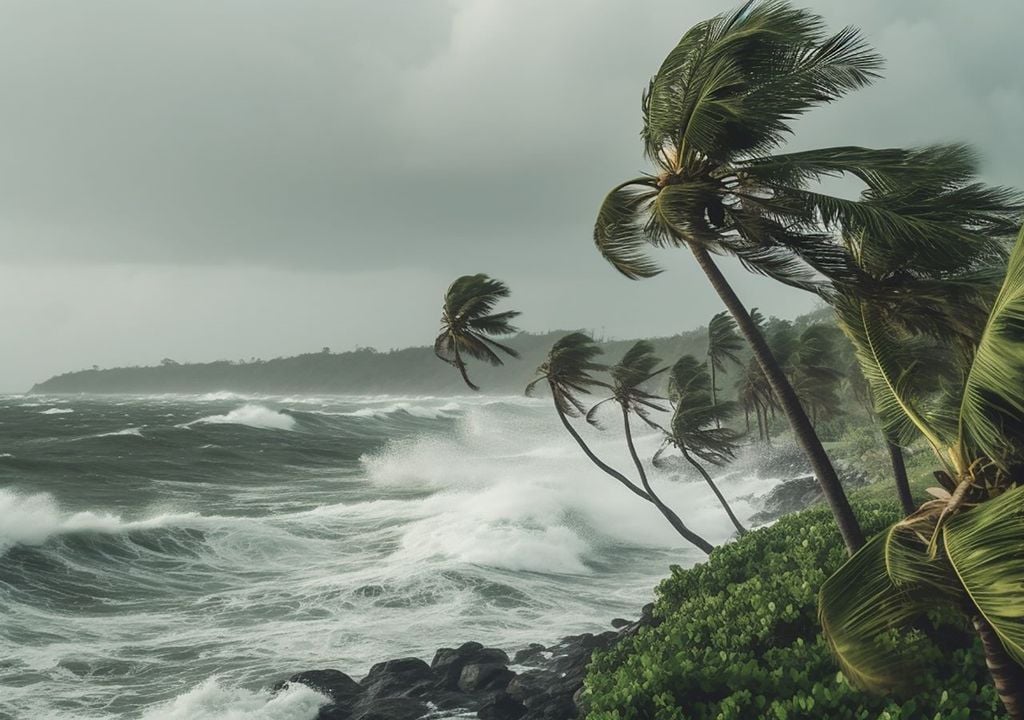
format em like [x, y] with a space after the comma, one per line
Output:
[168, 557]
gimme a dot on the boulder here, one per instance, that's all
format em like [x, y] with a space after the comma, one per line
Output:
[333, 683]
[401, 678]
[502, 707]
[530, 655]
[449, 663]
[478, 677]
[391, 709]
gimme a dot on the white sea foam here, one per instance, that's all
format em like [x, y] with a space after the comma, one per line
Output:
[427, 412]
[33, 519]
[132, 431]
[213, 701]
[257, 416]
[57, 411]
[222, 396]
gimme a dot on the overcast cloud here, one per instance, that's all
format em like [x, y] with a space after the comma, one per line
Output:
[221, 179]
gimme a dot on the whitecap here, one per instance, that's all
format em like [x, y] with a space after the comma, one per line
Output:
[212, 701]
[257, 416]
[57, 411]
[34, 519]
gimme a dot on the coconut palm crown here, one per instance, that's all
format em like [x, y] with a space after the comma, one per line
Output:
[962, 549]
[714, 117]
[569, 371]
[696, 421]
[468, 323]
[629, 376]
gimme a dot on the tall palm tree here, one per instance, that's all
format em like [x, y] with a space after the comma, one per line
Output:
[724, 344]
[961, 550]
[714, 116]
[629, 376]
[696, 428]
[568, 372]
[814, 369]
[467, 323]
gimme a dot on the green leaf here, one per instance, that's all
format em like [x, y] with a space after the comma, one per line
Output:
[985, 549]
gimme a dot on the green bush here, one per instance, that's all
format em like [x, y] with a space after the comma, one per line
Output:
[739, 639]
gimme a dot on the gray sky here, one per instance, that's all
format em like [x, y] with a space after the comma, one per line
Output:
[232, 178]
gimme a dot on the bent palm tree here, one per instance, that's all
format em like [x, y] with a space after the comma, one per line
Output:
[719, 107]
[568, 371]
[723, 345]
[962, 549]
[467, 323]
[696, 428]
[629, 375]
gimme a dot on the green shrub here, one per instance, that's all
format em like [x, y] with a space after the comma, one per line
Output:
[739, 639]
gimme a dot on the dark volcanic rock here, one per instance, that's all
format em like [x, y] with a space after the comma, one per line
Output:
[477, 677]
[449, 663]
[333, 683]
[502, 707]
[392, 709]
[402, 678]
[532, 654]
[470, 678]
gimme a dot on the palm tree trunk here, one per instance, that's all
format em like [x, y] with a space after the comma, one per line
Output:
[1007, 675]
[462, 371]
[849, 528]
[718, 493]
[673, 519]
[760, 422]
[746, 417]
[596, 460]
[714, 393]
[899, 471]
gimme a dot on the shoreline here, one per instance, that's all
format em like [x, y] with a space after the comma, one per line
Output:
[536, 683]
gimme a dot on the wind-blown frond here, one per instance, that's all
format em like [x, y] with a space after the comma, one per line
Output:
[737, 81]
[984, 547]
[620, 230]
[892, 366]
[724, 342]
[568, 371]
[865, 614]
[991, 408]
[695, 421]
[467, 322]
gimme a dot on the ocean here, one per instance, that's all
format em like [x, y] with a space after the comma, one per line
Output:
[171, 557]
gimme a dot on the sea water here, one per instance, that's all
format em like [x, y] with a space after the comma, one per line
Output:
[172, 557]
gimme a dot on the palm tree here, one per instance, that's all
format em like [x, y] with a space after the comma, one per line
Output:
[961, 550]
[696, 428]
[629, 375]
[568, 371]
[714, 115]
[814, 370]
[724, 344]
[467, 323]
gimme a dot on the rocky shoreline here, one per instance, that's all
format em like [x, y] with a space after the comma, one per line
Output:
[537, 683]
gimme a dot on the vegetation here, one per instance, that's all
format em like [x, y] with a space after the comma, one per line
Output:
[739, 638]
[467, 323]
[724, 344]
[696, 429]
[962, 550]
[569, 371]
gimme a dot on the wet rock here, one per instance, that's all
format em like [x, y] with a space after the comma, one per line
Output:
[478, 677]
[392, 709]
[449, 663]
[401, 678]
[502, 707]
[619, 623]
[333, 683]
[530, 655]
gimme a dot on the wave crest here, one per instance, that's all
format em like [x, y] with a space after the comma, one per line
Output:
[252, 415]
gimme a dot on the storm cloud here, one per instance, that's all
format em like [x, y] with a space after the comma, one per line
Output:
[226, 179]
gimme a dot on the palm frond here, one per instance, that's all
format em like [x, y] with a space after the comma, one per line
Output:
[724, 342]
[890, 363]
[734, 83]
[991, 408]
[984, 547]
[865, 615]
[620, 232]
[568, 371]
